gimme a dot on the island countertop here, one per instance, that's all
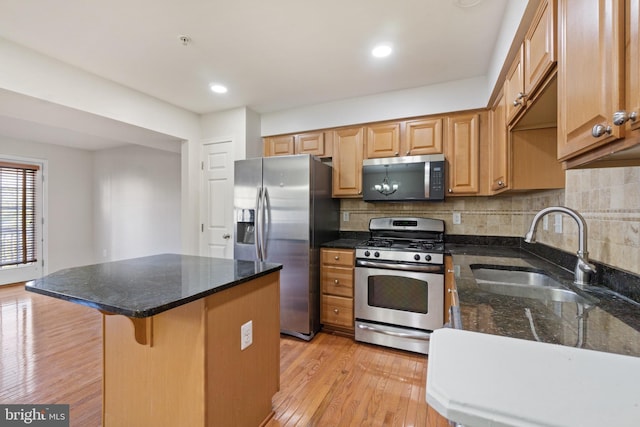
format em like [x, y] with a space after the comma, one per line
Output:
[146, 286]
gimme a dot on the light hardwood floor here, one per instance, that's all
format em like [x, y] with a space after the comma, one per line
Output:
[51, 353]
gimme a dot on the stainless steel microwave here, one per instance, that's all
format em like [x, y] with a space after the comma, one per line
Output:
[401, 179]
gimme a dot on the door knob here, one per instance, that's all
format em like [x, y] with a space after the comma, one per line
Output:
[226, 236]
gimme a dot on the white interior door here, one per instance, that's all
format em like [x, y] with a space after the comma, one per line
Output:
[216, 213]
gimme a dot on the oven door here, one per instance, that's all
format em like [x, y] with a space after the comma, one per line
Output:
[398, 308]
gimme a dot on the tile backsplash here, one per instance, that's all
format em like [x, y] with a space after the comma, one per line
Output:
[608, 199]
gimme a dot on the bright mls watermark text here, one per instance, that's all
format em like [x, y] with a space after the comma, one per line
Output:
[34, 415]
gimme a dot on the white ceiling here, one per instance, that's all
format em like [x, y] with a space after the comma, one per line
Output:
[272, 55]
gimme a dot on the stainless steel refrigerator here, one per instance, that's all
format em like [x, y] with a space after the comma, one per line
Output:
[283, 213]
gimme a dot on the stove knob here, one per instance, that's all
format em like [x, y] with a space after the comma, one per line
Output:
[427, 258]
[416, 257]
[367, 253]
[376, 254]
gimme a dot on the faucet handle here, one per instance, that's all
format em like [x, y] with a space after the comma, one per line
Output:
[585, 265]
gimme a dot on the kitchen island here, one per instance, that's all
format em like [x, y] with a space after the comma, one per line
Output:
[172, 344]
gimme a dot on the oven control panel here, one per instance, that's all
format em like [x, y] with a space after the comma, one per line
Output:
[400, 256]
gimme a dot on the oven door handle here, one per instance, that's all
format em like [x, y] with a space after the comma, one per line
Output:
[404, 267]
[423, 337]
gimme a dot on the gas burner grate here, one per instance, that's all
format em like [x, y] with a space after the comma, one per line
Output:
[379, 243]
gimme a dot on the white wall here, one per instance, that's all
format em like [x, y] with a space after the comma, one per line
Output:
[445, 97]
[69, 213]
[240, 124]
[30, 73]
[137, 202]
[440, 98]
[512, 16]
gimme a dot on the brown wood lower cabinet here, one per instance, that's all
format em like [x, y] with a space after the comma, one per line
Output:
[336, 287]
[190, 369]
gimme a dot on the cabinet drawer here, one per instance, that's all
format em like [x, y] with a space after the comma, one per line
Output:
[341, 257]
[337, 311]
[337, 281]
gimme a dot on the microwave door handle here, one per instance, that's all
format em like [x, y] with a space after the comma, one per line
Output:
[427, 179]
[423, 337]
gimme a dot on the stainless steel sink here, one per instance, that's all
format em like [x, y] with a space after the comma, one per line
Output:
[523, 282]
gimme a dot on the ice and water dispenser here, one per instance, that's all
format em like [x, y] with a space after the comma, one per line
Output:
[245, 226]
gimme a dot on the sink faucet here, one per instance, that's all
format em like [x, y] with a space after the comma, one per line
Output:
[584, 269]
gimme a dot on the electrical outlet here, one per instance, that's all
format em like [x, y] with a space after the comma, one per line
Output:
[345, 216]
[246, 335]
[457, 218]
[558, 224]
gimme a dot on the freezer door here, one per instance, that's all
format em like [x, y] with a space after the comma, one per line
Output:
[246, 193]
[286, 182]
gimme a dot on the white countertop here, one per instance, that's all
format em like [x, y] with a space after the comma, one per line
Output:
[488, 380]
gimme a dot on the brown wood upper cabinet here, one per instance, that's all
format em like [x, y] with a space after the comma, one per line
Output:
[423, 136]
[348, 153]
[498, 148]
[314, 143]
[533, 63]
[599, 83]
[279, 146]
[462, 151]
[383, 140]
[518, 155]
[406, 138]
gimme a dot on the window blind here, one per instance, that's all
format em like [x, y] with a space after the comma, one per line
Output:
[17, 214]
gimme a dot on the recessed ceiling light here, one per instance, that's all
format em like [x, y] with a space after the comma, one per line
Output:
[218, 88]
[381, 51]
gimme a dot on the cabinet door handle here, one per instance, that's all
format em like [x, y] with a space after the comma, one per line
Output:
[621, 117]
[599, 130]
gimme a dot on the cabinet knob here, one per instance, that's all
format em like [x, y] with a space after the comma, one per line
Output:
[599, 130]
[621, 117]
[336, 281]
[450, 190]
[336, 311]
[519, 99]
[396, 153]
[337, 257]
[500, 183]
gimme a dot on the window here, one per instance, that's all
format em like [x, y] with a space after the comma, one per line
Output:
[18, 232]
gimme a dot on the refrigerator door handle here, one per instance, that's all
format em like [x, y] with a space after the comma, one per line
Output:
[257, 226]
[264, 228]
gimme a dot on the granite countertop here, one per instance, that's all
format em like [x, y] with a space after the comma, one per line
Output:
[610, 322]
[143, 287]
[342, 243]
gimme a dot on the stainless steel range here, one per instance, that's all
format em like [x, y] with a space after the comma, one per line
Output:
[399, 283]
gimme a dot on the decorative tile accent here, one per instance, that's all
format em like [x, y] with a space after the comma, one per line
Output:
[608, 199]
